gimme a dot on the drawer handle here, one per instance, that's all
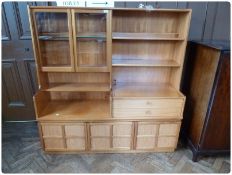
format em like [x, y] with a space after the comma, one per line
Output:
[148, 112]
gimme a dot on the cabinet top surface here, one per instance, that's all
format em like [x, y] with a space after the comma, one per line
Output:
[216, 44]
[111, 8]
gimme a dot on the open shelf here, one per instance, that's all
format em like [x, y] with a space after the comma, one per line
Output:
[145, 90]
[76, 110]
[144, 63]
[80, 87]
[146, 36]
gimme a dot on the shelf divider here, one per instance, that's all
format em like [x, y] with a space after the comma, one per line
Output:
[78, 87]
[146, 36]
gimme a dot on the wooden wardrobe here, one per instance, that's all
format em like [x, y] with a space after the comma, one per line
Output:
[206, 84]
[109, 78]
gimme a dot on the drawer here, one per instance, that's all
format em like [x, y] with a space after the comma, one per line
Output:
[100, 129]
[169, 129]
[51, 130]
[149, 112]
[167, 142]
[148, 108]
[122, 142]
[122, 129]
[146, 103]
[147, 129]
[75, 143]
[145, 143]
[53, 143]
[100, 143]
[75, 130]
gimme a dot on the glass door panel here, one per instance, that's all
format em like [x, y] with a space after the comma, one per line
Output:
[54, 40]
[91, 40]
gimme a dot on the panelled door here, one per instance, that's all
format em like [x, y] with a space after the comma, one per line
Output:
[18, 66]
[92, 40]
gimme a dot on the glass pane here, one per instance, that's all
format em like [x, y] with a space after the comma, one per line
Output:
[91, 24]
[91, 39]
[53, 36]
[91, 52]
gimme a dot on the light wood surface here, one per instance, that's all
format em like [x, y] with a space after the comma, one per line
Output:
[146, 36]
[145, 90]
[64, 110]
[166, 142]
[143, 62]
[81, 87]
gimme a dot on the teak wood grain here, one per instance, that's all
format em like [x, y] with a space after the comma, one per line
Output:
[86, 105]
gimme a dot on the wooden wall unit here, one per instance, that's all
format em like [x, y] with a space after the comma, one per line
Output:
[206, 124]
[115, 85]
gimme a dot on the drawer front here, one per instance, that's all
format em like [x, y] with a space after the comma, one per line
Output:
[75, 130]
[153, 113]
[51, 130]
[100, 143]
[148, 108]
[100, 129]
[146, 103]
[122, 129]
[54, 143]
[75, 143]
[122, 142]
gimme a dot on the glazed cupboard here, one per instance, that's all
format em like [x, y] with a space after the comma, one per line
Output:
[109, 78]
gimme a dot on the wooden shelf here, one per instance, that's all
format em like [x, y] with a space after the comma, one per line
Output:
[53, 36]
[144, 63]
[145, 90]
[76, 110]
[146, 36]
[92, 35]
[80, 87]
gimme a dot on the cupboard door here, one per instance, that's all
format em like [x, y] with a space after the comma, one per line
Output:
[121, 143]
[167, 142]
[75, 130]
[75, 143]
[147, 129]
[100, 129]
[51, 130]
[53, 143]
[169, 129]
[145, 143]
[100, 143]
[54, 39]
[92, 40]
[146, 135]
[122, 129]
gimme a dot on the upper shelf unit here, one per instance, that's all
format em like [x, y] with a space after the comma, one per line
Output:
[149, 25]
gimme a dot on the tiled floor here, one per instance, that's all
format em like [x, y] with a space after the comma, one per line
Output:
[21, 153]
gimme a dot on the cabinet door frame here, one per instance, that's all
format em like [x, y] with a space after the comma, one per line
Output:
[36, 46]
[107, 68]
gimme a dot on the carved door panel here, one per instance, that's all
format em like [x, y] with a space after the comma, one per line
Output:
[18, 66]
